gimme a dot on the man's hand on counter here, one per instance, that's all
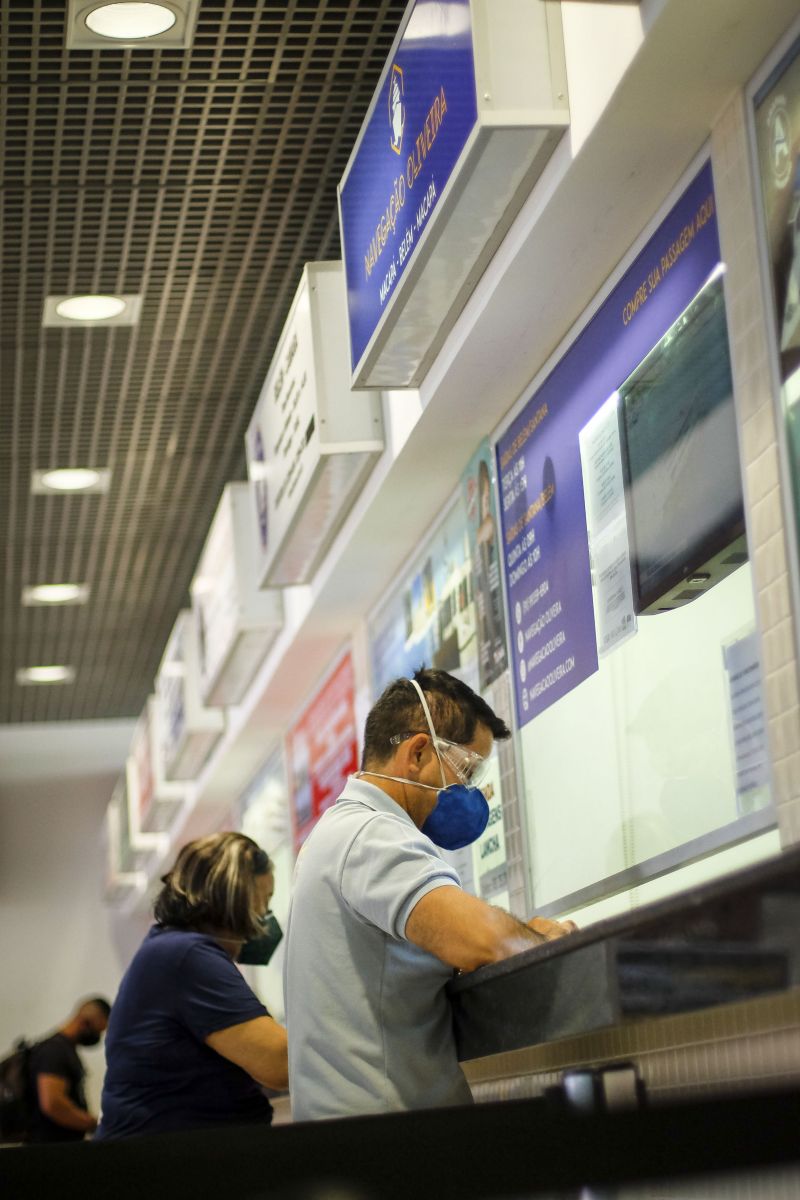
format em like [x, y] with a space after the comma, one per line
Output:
[548, 930]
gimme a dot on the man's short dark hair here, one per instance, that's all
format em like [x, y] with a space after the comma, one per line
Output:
[101, 1003]
[94, 1002]
[456, 712]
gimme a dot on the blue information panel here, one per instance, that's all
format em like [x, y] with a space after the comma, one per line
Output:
[421, 118]
[545, 539]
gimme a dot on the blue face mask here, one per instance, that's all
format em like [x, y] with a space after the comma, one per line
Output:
[459, 818]
[461, 813]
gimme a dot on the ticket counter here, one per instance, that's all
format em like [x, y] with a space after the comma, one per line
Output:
[720, 960]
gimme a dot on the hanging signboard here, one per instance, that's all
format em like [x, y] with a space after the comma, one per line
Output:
[130, 855]
[544, 521]
[187, 732]
[120, 884]
[155, 802]
[469, 108]
[312, 442]
[322, 750]
[236, 623]
[145, 844]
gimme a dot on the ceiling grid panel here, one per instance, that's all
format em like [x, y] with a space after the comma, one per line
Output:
[202, 178]
[212, 435]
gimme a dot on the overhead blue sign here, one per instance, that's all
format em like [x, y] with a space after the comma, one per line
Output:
[420, 120]
[545, 539]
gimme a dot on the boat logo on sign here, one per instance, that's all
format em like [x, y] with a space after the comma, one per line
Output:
[397, 108]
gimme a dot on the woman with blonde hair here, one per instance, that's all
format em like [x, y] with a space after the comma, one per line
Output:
[189, 1044]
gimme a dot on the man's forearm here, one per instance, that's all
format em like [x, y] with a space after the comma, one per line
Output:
[63, 1112]
[466, 932]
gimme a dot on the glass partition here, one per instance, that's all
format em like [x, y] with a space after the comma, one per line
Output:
[634, 649]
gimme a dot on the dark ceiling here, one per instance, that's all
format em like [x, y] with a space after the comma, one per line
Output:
[203, 179]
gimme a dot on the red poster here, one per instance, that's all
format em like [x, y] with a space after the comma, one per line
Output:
[322, 750]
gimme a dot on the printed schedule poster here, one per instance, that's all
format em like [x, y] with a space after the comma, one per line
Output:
[545, 543]
[322, 750]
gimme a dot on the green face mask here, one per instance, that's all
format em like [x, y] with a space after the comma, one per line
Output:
[259, 950]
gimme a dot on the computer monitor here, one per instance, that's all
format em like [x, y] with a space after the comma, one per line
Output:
[681, 460]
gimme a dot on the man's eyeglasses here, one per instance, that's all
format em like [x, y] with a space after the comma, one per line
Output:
[469, 767]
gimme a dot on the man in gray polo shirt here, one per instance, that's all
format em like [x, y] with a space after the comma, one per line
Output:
[379, 921]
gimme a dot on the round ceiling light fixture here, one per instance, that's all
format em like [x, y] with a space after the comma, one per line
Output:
[130, 22]
[56, 593]
[90, 308]
[54, 674]
[70, 479]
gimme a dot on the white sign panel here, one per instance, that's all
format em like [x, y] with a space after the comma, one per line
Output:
[129, 856]
[311, 442]
[145, 844]
[236, 623]
[154, 802]
[119, 885]
[187, 732]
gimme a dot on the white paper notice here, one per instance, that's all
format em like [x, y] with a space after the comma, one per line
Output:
[607, 525]
[612, 587]
[747, 714]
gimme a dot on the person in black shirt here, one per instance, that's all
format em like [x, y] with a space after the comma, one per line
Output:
[59, 1112]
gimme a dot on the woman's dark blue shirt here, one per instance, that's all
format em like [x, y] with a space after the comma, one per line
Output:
[160, 1076]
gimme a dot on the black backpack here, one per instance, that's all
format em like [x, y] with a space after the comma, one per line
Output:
[15, 1093]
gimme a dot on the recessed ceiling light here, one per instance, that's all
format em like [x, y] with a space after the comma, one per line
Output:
[54, 674]
[117, 24]
[71, 479]
[55, 593]
[130, 20]
[91, 308]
